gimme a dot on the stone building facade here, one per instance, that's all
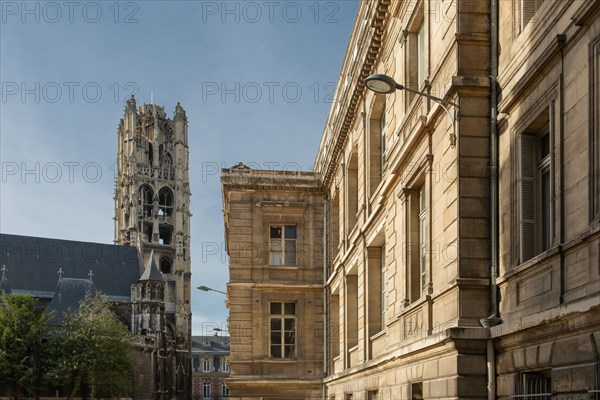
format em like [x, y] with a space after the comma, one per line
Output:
[274, 228]
[460, 245]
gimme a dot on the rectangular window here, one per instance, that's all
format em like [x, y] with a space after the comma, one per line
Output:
[224, 391]
[373, 395]
[377, 129]
[536, 231]
[415, 54]
[283, 330]
[376, 289]
[422, 239]
[206, 365]
[534, 386]
[283, 244]
[416, 250]
[206, 389]
[420, 55]
[348, 396]
[416, 391]
[224, 366]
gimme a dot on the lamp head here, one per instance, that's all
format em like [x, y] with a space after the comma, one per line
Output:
[380, 83]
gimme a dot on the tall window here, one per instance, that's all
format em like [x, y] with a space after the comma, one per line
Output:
[422, 238]
[377, 128]
[206, 365]
[283, 330]
[416, 250]
[376, 289]
[416, 391]
[352, 190]
[283, 245]
[206, 389]
[421, 54]
[224, 391]
[415, 56]
[224, 366]
[536, 220]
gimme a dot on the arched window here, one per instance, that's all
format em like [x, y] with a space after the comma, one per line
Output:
[166, 265]
[165, 201]
[146, 196]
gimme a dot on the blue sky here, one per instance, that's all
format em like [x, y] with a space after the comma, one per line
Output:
[255, 78]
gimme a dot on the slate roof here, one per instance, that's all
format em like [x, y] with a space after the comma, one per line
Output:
[151, 273]
[69, 293]
[32, 264]
[211, 344]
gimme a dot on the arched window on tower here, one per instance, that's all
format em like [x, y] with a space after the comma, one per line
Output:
[165, 201]
[150, 154]
[146, 196]
[166, 265]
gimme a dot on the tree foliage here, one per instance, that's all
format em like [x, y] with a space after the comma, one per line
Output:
[22, 329]
[93, 347]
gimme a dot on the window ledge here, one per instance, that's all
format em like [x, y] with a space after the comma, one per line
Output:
[378, 335]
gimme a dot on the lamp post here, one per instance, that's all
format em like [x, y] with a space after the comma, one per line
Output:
[384, 84]
[207, 289]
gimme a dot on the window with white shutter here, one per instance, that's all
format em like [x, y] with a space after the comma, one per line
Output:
[536, 189]
[528, 10]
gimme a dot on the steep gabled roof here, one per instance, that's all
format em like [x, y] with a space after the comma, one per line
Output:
[151, 273]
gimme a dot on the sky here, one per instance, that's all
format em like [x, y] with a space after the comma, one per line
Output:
[256, 79]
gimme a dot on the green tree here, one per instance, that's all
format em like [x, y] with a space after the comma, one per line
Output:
[94, 347]
[22, 328]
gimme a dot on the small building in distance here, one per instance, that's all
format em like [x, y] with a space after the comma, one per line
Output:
[210, 367]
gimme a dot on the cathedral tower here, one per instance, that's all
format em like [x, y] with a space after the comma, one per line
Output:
[152, 206]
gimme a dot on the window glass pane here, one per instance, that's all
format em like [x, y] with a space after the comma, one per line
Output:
[546, 210]
[275, 338]
[276, 351]
[290, 351]
[290, 308]
[545, 146]
[275, 308]
[276, 324]
[276, 232]
[290, 252]
[289, 324]
[276, 259]
[290, 231]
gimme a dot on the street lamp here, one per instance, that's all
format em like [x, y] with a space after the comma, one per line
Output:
[207, 289]
[384, 84]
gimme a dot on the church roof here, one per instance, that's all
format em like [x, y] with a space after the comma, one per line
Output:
[32, 264]
[69, 293]
[151, 273]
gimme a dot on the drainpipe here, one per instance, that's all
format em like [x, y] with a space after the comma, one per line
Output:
[493, 318]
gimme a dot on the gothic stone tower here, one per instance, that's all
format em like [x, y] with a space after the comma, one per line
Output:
[152, 213]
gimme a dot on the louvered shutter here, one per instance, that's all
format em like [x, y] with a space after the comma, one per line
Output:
[528, 8]
[527, 198]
